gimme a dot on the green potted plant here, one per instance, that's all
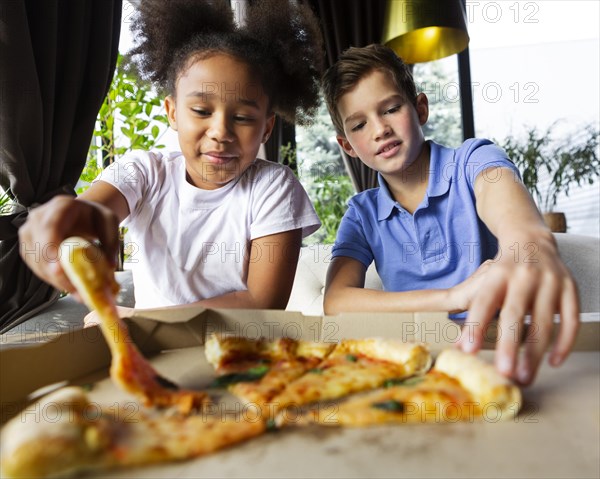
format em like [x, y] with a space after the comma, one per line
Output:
[329, 193]
[131, 117]
[5, 203]
[568, 162]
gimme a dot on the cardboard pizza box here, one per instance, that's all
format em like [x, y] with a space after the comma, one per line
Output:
[45, 360]
[557, 433]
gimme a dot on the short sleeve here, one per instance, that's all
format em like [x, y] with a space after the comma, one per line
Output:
[481, 155]
[351, 240]
[131, 175]
[280, 203]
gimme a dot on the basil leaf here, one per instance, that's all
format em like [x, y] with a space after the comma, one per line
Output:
[252, 374]
[390, 405]
[351, 357]
[402, 381]
[271, 425]
[316, 371]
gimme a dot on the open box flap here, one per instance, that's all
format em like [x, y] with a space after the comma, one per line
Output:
[67, 356]
[78, 353]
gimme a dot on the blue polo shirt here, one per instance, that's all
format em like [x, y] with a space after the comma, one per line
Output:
[443, 242]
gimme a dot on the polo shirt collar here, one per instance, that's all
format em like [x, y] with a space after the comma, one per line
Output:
[440, 177]
[385, 202]
[441, 160]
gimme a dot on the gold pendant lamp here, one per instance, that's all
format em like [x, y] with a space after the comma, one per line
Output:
[425, 30]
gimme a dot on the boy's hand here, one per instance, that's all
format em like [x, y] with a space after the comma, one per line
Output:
[532, 280]
[462, 295]
[64, 216]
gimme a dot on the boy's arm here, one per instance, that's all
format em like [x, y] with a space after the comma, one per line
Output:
[94, 215]
[528, 276]
[344, 291]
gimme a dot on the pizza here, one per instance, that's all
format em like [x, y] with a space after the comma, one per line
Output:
[355, 365]
[82, 437]
[257, 370]
[356, 382]
[460, 387]
[85, 266]
[372, 381]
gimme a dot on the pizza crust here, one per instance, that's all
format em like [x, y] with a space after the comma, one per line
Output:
[486, 385]
[92, 283]
[48, 438]
[414, 356]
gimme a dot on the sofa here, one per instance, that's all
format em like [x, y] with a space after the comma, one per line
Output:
[580, 253]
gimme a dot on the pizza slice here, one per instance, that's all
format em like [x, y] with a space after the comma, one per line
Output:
[355, 365]
[257, 370]
[460, 387]
[79, 435]
[87, 269]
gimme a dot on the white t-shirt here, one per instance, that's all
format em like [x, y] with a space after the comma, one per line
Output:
[190, 244]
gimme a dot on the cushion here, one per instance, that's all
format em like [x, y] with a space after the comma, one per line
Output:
[580, 253]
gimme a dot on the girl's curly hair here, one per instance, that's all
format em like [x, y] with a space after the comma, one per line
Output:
[279, 39]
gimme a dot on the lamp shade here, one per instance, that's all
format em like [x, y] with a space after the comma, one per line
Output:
[425, 30]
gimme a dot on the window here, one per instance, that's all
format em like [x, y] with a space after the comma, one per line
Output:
[535, 65]
[323, 174]
[439, 81]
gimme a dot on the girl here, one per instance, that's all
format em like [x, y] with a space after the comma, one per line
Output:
[212, 224]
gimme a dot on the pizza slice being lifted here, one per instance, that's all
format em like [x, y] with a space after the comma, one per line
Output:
[460, 387]
[85, 266]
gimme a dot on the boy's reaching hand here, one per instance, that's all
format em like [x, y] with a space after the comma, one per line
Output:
[64, 216]
[528, 277]
[461, 296]
[541, 286]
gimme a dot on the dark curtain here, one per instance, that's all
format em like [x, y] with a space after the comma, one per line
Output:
[57, 58]
[351, 23]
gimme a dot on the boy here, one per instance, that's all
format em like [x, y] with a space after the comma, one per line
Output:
[437, 219]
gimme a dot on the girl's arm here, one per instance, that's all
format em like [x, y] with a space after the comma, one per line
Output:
[271, 272]
[94, 215]
[344, 291]
[528, 276]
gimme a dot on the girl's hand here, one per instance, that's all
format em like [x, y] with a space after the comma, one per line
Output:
[64, 216]
[538, 283]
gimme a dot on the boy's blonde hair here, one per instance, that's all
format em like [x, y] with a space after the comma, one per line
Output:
[356, 63]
